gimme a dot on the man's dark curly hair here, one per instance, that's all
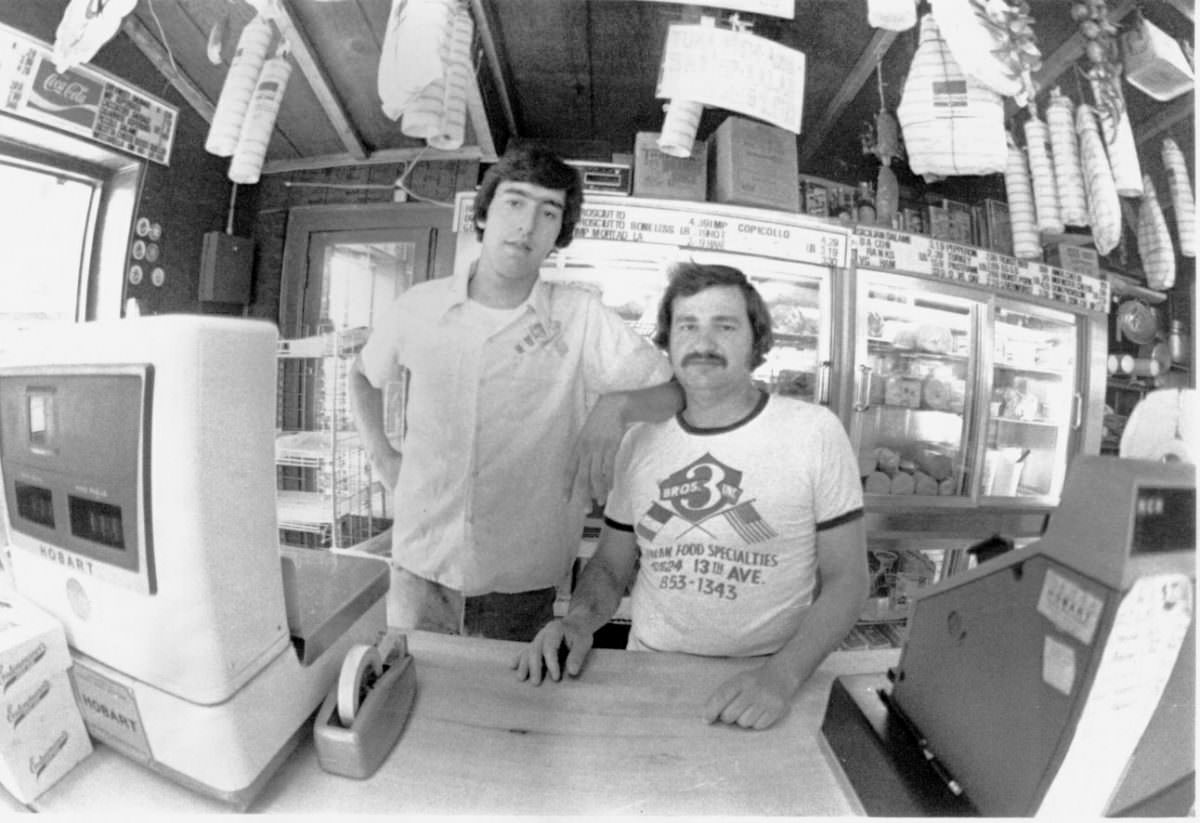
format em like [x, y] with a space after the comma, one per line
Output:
[530, 163]
[688, 278]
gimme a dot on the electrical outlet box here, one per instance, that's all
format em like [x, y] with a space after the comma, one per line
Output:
[226, 264]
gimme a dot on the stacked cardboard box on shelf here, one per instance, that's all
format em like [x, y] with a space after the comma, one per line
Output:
[820, 197]
[664, 176]
[753, 164]
[44, 736]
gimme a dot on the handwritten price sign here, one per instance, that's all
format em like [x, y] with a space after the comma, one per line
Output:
[734, 70]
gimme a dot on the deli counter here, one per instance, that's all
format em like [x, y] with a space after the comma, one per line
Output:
[966, 379]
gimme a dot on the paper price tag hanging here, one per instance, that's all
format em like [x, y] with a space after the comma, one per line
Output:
[734, 70]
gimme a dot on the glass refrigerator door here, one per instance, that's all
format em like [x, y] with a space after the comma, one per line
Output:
[1032, 404]
[912, 403]
[633, 276]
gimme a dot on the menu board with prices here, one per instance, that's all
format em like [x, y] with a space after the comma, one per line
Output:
[887, 250]
[82, 100]
[629, 222]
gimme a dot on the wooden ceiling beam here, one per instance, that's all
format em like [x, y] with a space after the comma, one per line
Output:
[1185, 7]
[310, 67]
[1166, 118]
[487, 40]
[374, 158]
[154, 51]
[870, 57]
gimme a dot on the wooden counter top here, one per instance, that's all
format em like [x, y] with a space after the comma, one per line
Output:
[626, 737]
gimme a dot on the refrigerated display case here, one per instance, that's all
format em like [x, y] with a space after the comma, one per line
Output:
[936, 363]
[1034, 403]
[916, 355]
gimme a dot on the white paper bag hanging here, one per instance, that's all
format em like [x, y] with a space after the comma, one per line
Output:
[247, 162]
[411, 56]
[86, 26]
[893, 15]
[452, 129]
[244, 69]
[972, 43]
[952, 125]
[678, 133]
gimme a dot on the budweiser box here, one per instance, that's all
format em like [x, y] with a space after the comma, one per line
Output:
[753, 164]
[660, 175]
[43, 732]
[1073, 258]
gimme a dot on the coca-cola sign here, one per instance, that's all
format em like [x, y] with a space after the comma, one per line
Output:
[73, 91]
[66, 95]
[83, 100]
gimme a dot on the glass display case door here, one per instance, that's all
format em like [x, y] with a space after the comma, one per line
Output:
[914, 368]
[1033, 404]
[633, 276]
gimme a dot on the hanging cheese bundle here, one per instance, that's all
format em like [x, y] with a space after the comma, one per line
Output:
[952, 125]
[1041, 170]
[1122, 152]
[1104, 206]
[1181, 196]
[453, 126]
[1026, 243]
[239, 87]
[247, 161]
[410, 58]
[1154, 240]
[1072, 202]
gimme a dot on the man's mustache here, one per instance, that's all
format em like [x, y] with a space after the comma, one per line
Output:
[703, 357]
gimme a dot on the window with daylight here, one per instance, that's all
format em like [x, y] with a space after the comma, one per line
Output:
[66, 210]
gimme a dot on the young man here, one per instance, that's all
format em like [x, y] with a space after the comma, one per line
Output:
[504, 372]
[741, 517]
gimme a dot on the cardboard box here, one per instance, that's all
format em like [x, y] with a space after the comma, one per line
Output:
[660, 175]
[43, 732]
[753, 164]
[914, 220]
[815, 199]
[998, 226]
[1073, 258]
[959, 219]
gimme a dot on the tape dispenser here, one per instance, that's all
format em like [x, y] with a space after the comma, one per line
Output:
[363, 716]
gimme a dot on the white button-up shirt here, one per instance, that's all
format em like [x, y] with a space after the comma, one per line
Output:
[492, 416]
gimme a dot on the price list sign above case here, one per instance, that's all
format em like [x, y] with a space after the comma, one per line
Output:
[82, 100]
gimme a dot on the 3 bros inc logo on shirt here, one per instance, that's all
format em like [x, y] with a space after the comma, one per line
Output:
[703, 490]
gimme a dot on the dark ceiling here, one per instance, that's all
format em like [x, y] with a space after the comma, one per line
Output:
[579, 74]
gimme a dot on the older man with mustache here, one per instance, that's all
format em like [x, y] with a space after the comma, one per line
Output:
[738, 522]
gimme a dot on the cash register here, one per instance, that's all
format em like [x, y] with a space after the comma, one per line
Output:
[138, 466]
[1057, 679]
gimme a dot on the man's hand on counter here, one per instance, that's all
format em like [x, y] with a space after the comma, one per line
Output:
[753, 699]
[557, 649]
